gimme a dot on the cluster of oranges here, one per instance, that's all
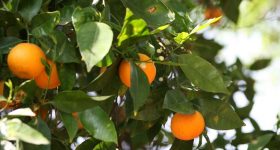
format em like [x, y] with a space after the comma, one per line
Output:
[25, 60]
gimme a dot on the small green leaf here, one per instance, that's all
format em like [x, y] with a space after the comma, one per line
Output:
[231, 9]
[22, 112]
[73, 101]
[14, 129]
[205, 25]
[98, 124]
[6, 43]
[260, 142]
[154, 12]
[44, 24]
[182, 37]
[81, 16]
[94, 40]
[219, 115]
[70, 124]
[29, 8]
[88, 144]
[66, 14]
[260, 64]
[139, 82]
[202, 73]
[176, 101]
[133, 27]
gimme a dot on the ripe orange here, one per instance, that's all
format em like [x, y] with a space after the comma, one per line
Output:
[146, 65]
[24, 60]
[213, 12]
[75, 115]
[48, 82]
[187, 126]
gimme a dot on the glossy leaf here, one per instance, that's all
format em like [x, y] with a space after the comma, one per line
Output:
[44, 24]
[201, 73]
[29, 8]
[98, 124]
[139, 82]
[66, 14]
[94, 40]
[70, 124]
[219, 115]
[14, 129]
[154, 12]
[73, 101]
[81, 16]
[133, 27]
[260, 142]
[260, 64]
[176, 101]
[87, 144]
[22, 112]
[7, 43]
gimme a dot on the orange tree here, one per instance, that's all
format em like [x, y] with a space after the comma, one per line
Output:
[115, 71]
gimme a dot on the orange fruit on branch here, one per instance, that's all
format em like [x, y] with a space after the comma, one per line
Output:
[48, 82]
[187, 126]
[146, 64]
[24, 60]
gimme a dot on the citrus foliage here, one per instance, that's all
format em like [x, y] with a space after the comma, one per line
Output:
[74, 96]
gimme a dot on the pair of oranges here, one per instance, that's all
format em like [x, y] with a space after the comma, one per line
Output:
[183, 126]
[25, 60]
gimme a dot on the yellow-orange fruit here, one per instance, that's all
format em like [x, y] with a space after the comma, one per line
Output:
[48, 82]
[213, 12]
[187, 126]
[24, 60]
[146, 64]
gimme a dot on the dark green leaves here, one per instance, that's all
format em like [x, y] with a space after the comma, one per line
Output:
[8, 42]
[219, 115]
[260, 142]
[140, 86]
[98, 124]
[83, 15]
[44, 24]
[70, 124]
[176, 101]
[29, 8]
[94, 40]
[73, 101]
[180, 145]
[201, 73]
[260, 64]
[154, 12]
[231, 9]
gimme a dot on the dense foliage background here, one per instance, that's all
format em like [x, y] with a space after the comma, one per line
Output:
[86, 37]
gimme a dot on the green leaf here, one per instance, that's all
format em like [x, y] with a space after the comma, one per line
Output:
[67, 76]
[105, 146]
[98, 124]
[133, 27]
[182, 37]
[14, 129]
[6, 43]
[70, 124]
[260, 142]
[29, 8]
[219, 115]
[81, 16]
[231, 9]
[88, 144]
[22, 112]
[154, 12]
[260, 64]
[180, 145]
[139, 82]
[73, 101]
[66, 14]
[41, 126]
[44, 24]
[204, 25]
[94, 40]
[176, 101]
[202, 74]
